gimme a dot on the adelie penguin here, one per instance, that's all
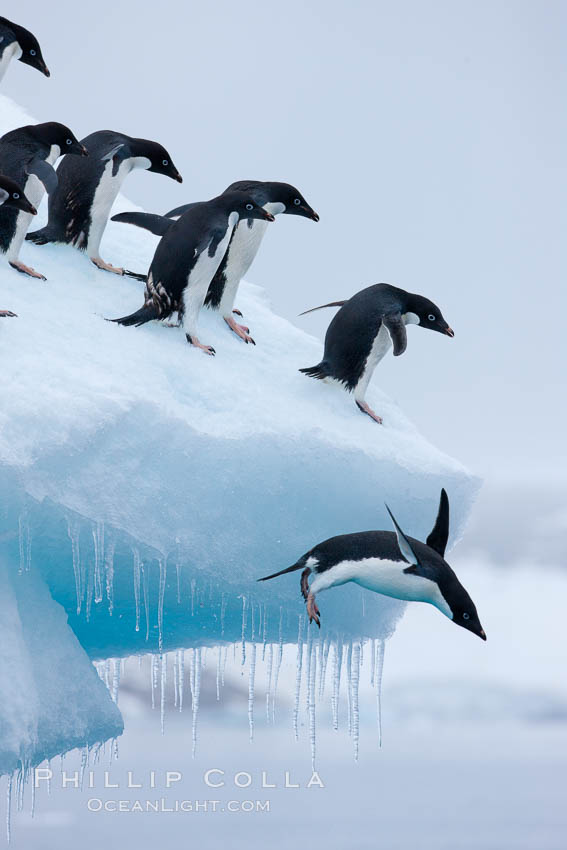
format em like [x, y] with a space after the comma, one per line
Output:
[187, 258]
[276, 198]
[16, 42]
[12, 196]
[27, 156]
[80, 207]
[365, 328]
[390, 563]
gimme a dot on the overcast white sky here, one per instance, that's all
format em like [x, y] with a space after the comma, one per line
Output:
[431, 139]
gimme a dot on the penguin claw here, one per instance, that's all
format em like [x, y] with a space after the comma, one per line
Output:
[208, 349]
[107, 267]
[5, 314]
[21, 267]
[237, 313]
[312, 610]
[365, 408]
[240, 330]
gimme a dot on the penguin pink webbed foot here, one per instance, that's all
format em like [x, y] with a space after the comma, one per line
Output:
[106, 267]
[312, 610]
[7, 314]
[239, 330]
[21, 267]
[208, 349]
[365, 408]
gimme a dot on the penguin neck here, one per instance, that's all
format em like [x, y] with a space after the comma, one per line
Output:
[410, 318]
[274, 207]
[54, 154]
[12, 51]
[233, 218]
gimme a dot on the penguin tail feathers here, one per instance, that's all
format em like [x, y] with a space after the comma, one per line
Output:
[297, 566]
[322, 307]
[140, 317]
[41, 237]
[320, 371]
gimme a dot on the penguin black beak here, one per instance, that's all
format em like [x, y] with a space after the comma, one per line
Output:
[45, 70]
[179, 178]
[482, 634]
[450, 332]
[32, 210]
[314, 216]
[268, 216]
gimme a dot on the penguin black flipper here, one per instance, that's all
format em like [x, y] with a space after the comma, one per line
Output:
[395, 326]
[157, 224]
[440, 532]
[117, 154]
[330, 304]
[145, 314]
[44, 172]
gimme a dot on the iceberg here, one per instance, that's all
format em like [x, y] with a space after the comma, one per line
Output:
[145, 487]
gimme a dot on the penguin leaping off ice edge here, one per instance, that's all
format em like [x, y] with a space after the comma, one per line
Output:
[16, 42]
[276, 198]
[364, 329]
[390, 563]
[187, 258]
[81, 204]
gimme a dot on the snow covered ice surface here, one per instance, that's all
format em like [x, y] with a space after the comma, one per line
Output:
[149, 486]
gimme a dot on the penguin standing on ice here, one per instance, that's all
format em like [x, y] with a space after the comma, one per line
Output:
[364, 329]
[16, 42]
[27, 156]
[12, 196]
[79, 208]
[390, 563]
[275, 198]
[187, 258]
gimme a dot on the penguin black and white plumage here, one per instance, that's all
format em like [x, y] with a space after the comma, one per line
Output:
[365, 328]
[16, 42]
[80, 207]
[390, 563]
[11, 195]
[27, 155]
[276, 198]
[187, 258]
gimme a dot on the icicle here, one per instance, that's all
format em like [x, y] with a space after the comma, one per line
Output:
[355, 678]
[73, 532]
[176, 680]
[161, 597]
[219, 652]
[311, 699]
[90, 588]
[244, 611]
[25, 542]
[98, 540]
[115, 680]
[373, 663]
[84, 764]
[269, 678]
[32, 803]
[137, 568]
[109, 576]
[9, 809]
[379, 670]
[107, 673]
[337, 664]
[181, 662]
[49, 777]
[146, 589]
[222, 612]
[20, 788]
[196, 694]
[264, 628]
[178, 579]
[154, 677]
[308, 664]
[192, 676]
[193, 586]
[251, 677]
[349, 687]
[163, 682]
[278, 666]
[298, 670]
[323, 667]
[223, 668]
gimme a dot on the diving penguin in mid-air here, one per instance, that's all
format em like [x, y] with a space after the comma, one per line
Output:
[12, 196]
[27, 155]
[390, 563]
[16, 42]
[187, 258]
[364, 329]
[79, 208]
[276, 198]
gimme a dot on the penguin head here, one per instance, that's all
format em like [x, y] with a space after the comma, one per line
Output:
[244, 205]
[54, 133]
[29, 45]
[12, 196]
[428, 561]
[427, 315]
[161, 162]
[283, 195]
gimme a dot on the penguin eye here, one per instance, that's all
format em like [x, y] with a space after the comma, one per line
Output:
[165, 162]
[69, 142]
[297, 202]
[15, 195]
[32, 52]
[249, 206]
[466, 616]
[431, 317]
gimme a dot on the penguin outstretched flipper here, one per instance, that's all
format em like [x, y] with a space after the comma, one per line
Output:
[179, 211]
[396, 328]
[440, 532]
[44, 172]
[330, 304]
[157, 224]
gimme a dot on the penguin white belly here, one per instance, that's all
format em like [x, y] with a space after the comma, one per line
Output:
[199, 279]
[104, 197]
[382, 343]
[241, 253]
[34, 190]
[385, 577]
[13, 51]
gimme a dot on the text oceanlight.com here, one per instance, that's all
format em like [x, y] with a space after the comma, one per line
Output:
[95, 804]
